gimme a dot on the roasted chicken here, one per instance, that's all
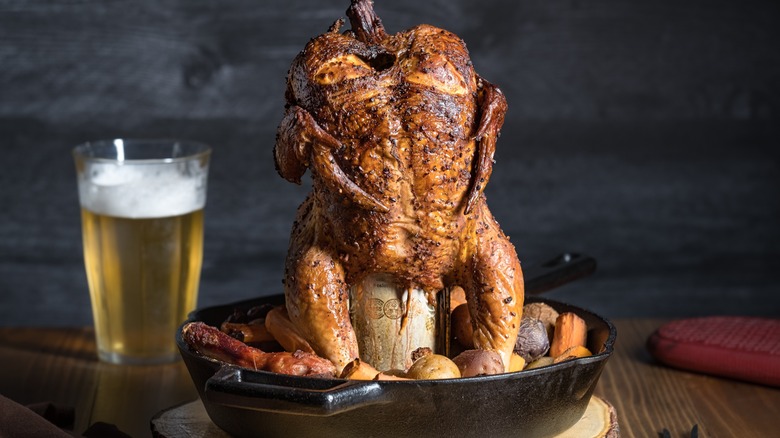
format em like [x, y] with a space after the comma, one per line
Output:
[399, 133]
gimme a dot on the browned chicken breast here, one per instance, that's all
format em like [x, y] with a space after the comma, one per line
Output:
[398, 132]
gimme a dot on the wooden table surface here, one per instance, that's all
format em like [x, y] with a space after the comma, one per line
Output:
[60, 366]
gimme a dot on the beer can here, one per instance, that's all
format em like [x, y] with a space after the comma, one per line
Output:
[390, 321]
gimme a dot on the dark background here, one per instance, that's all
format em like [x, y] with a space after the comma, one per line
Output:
[643, 133]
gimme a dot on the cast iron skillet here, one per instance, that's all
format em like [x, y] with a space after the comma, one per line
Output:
[534, 403]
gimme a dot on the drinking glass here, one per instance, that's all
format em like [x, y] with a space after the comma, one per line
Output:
[142, 205]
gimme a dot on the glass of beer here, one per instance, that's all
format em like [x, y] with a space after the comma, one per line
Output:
[142, 207]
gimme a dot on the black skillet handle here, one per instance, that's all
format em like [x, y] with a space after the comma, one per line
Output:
[231, 386]
[557, 271]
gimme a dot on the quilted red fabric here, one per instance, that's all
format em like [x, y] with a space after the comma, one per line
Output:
[744, 348]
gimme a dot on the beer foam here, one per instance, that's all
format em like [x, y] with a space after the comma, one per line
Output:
[143, 191]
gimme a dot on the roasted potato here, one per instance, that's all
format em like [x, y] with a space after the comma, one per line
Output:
[543, 312]
[433, 366]
[541, 362]
[532, 342]
[479, 362]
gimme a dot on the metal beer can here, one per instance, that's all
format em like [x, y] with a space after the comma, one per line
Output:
[390, 322]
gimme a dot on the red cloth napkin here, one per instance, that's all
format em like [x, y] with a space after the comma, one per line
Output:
[744, 348]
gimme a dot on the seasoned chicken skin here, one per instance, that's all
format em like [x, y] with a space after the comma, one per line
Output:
[398, 132]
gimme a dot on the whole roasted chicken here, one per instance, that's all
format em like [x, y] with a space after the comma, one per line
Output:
[399, 133]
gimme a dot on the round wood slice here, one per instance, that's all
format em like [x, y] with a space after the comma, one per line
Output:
[598, 421]
[190, 420]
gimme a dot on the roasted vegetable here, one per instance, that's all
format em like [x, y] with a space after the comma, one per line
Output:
[516, 363]
[433, 366]
[570, 331]
[479, 362]
[461, 326]
[543, 312]
[359, 370]
[541, 362]
[574, 352]
[457, 297]
[393, 373]
[386, 376]
[532, 342]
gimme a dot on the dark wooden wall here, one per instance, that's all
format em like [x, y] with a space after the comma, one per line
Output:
[644, 133]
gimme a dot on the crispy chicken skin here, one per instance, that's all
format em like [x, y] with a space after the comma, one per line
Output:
[398, 132]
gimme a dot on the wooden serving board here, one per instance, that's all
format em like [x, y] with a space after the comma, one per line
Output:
[190, 420]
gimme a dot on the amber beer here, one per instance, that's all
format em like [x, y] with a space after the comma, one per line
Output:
[143, 276]
[142, 226]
